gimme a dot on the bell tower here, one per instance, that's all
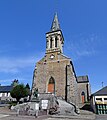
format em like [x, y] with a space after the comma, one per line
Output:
[54, 38]
[54, 73]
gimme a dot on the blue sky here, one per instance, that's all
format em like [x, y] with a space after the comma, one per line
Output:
[23, 24]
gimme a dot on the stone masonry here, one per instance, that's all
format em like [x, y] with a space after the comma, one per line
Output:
[55, 73]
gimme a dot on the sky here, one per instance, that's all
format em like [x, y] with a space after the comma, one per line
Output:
[23, 24]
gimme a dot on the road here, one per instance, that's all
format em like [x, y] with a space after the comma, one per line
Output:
[14, 117]
[6, 114]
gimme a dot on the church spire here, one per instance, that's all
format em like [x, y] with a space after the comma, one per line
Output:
[54, 38]
[55, 24]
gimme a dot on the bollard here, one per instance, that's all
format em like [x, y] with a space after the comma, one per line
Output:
[36, 113]
[17, 112]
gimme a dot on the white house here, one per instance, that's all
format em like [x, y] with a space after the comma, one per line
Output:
[5, 93]
[99, 101]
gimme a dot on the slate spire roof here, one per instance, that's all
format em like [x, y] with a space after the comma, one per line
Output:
[55, 24]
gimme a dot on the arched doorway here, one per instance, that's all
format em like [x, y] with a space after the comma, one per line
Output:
[83, 96]
[51, 85]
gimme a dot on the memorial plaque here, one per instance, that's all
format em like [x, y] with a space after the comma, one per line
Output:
[44, 104]
[36, 106]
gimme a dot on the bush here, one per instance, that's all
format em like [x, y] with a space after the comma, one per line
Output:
[19, 92]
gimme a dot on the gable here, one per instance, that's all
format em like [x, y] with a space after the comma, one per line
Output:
[82, 79]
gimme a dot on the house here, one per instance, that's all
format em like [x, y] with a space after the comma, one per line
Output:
[5, 93]
[99, 101]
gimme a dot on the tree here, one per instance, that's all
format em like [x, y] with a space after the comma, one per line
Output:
[28, 88]
[19, 92]
[15, 82]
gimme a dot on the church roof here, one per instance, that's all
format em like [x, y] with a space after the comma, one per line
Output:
[102, 91]
[55, 24]
[82, 79]
[4, 89]
[65, 56]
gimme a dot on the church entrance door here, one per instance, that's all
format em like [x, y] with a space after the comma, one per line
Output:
[83, 97]
[51, 85]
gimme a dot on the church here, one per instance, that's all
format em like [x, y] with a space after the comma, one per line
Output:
[55, 73]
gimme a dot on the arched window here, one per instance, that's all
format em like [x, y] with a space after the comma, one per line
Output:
[83, 93]
[51, 80]
[51, 43]
[56, 41]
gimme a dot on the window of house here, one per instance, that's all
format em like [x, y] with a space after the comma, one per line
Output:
[99, 99]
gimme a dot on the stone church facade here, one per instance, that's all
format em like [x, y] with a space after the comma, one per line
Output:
[55, 73]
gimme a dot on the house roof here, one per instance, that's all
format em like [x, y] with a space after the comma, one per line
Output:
[102, 91]
[82, 79]
[4, 89]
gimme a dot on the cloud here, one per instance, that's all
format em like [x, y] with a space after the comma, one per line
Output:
[82, 46]
[6, 69]
[9, 81]
[6, 80]
[14, 65]
[85, 53]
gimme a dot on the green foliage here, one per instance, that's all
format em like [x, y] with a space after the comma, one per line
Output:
[27, 86]
[28, 89]
[12, 103]
[19, 92]
[15, 82]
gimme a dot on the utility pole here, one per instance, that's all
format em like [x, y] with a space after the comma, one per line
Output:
[102, 84]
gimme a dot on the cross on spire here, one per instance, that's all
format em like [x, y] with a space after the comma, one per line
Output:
[55, 24]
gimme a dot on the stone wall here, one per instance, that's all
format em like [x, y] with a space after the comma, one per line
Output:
[84, 87]
[72, 89]
[61, 70]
